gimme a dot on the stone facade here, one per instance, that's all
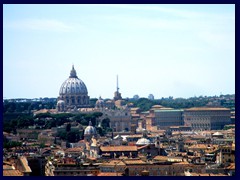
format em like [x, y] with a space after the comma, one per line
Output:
[206, 118]
[164, 118]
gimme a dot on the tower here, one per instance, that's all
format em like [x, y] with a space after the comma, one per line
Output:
[117, 94]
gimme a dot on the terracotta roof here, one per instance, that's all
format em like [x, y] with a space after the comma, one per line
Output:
[109, 174]
[118, 148]
[12, 173]
[161, 158]
[113, 163]
[231, 166]
[134, 161]
[181, 163]
[76, 149]
[206, 174]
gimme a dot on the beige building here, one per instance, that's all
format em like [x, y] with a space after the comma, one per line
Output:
[120, 119]
[207, 118]
[226, 154]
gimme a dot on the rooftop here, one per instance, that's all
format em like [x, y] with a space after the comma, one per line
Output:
[109, 174]
[118, 148]
[207, 109]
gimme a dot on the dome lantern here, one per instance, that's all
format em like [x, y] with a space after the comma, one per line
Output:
[73, 73]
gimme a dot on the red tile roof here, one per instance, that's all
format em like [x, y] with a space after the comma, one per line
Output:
[118, 148]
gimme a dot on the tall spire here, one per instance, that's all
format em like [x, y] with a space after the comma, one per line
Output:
[117, 84]
[73, 73]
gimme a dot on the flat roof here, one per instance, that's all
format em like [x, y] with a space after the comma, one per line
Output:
[207, 109]
[168, 110]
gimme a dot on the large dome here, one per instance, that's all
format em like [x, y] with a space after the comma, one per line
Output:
[74, 93]
[73, 85]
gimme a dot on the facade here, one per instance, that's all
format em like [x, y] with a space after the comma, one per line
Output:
[164, 118]
[120, 119]
[117, 151]
[207, 118]
[73, 93]
[70, 167]
[226, 154]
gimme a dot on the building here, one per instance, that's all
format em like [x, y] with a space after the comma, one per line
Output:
[226, 154]
[117, 151]
[207, 118]
[120, 119]
[112, 166]
[70, 167]
[164, 118]
[73, 93]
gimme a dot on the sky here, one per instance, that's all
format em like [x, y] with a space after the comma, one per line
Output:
[161, 49]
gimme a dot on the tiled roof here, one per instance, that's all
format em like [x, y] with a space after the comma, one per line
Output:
[161, 158]
[118, 148]
[231, 166]
[12, 173]
[109, 174]
[180, 163]
[206, 174]
[76, 149]
[134, 162]
[113, 163]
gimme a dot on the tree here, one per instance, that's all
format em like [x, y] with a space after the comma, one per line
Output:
[68, 127]
[100, 131]
[105, 123]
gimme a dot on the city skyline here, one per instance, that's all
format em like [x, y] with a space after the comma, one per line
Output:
[164, 50]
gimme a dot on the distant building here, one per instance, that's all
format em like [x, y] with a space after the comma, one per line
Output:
[150, 97]
[164, 118]
[73, 93]
[120, 119]
[136, 97]
[100, 103]
[207, 118]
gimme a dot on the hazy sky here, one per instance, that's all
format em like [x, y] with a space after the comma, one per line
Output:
[165, 50]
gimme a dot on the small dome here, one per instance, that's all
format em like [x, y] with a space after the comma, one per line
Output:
[140, 130]
[100, 102]
[217, 134]
[60, 102]
[90, 130]
[143, 141]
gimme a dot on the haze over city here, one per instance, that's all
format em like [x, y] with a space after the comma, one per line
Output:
[164, 50]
